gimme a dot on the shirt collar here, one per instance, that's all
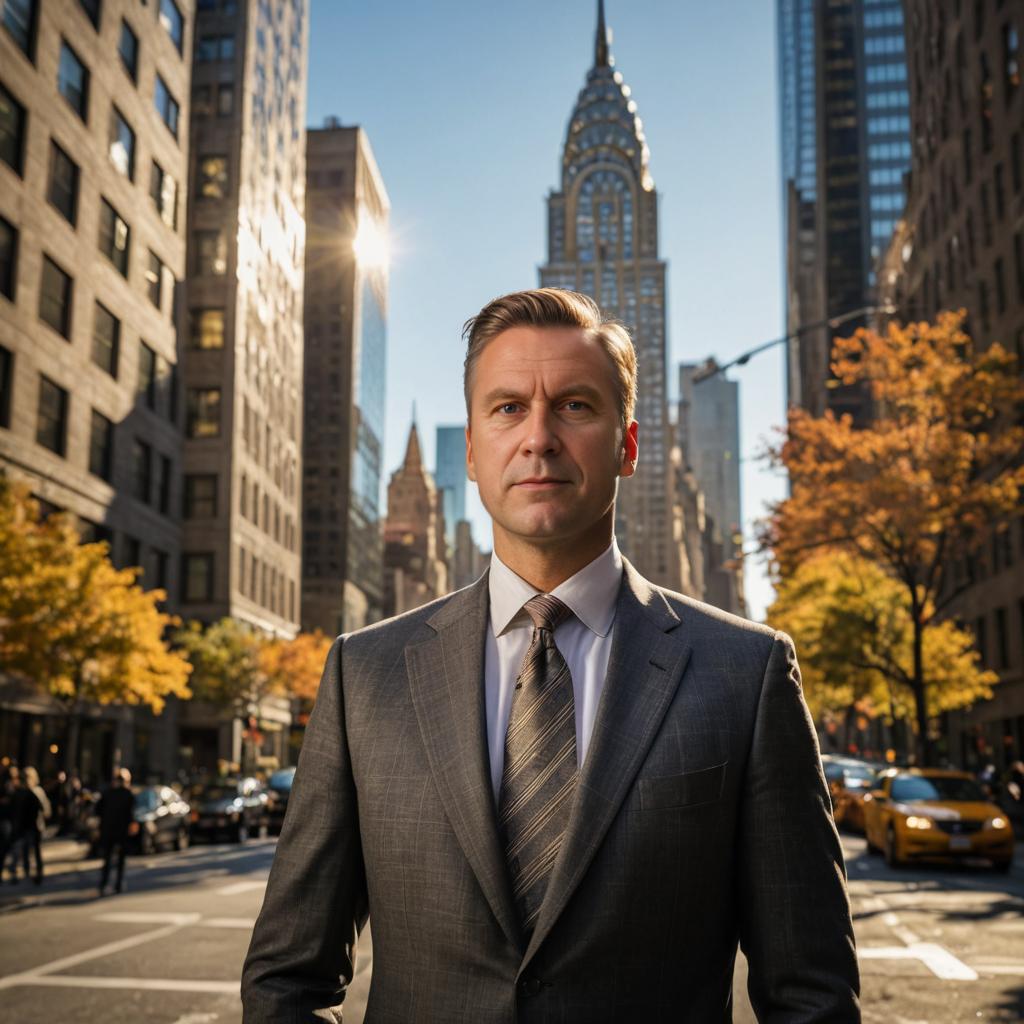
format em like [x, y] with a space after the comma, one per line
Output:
[591, 593]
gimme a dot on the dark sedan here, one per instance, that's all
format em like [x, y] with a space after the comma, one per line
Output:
[231, 808]
[279, 788]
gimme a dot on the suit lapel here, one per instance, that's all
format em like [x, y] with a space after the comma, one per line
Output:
[644, 670]
[446, 678]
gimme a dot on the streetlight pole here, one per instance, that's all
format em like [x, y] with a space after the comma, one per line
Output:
[711, 368]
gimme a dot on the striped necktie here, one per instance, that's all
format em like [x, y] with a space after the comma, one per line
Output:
[539, 778]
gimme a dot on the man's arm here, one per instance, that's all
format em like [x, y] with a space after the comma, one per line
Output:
[301, 958]
[795, 926]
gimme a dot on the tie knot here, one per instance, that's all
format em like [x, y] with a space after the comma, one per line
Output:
[547, 612]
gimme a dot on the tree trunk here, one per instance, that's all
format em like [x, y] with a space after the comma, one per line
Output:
[920, 697]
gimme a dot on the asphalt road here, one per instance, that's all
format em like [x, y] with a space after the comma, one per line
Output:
[937, 945]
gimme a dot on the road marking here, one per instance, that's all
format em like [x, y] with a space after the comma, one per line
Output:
[32, 976]
[240, 887]
[150, 984]
[1014, 969]
[141, 917]
[229, 922]
[936, 958]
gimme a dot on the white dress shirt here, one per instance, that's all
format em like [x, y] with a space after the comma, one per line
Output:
[584, 640]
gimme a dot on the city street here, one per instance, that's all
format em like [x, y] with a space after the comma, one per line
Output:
[937, 946]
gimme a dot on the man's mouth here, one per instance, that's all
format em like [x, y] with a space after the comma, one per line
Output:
[540, 483]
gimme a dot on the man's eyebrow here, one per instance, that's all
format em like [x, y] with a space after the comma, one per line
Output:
[506, 394]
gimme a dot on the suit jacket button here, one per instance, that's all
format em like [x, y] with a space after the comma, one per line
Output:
[529, 986]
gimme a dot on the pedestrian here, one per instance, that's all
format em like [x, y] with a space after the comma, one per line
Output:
[8, 784]
[562, 793]
[116, 813]
[30, 809]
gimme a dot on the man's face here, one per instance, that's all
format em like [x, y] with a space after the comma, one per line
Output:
[545, 442]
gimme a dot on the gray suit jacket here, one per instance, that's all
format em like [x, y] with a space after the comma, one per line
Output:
[701, 819]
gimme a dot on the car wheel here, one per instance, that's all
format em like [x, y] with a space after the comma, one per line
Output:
[241, 832]
[181, 838]
[892, 852]
[146, 845]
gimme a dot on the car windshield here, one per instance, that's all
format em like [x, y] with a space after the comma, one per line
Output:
[145, 800]
[282, 780]
[912, 788]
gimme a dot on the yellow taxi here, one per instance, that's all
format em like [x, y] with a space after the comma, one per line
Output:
[929, 813]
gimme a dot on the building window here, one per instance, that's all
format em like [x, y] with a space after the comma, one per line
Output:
[225, 100]
[101, 446]
[215, 48]
[6, 385]
[142, 469]
[163, 484]
[52, 424]
[1011, 60]
[154, 279]
[211, 256]
[73, 81]
[197, 576]
[207, 328]
[20, 22]
[121, 138]
[63, 187]
[203, 412]
[202, 101]
[8, 258]
[213, 177]
[114, 237]
[166, 105]
[106, 339]
[92, 11]
[128, 48]
[146, 383]
[172, 21]
[12, 131]
[999, 276]
[163, 190]
[1002, 640]
[160, 569]
[132, 552]
[55, 298]
[201, 496]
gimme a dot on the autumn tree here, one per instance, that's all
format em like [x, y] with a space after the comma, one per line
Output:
[296, 665]
[74, 625]
[851, 622]
[921, 486]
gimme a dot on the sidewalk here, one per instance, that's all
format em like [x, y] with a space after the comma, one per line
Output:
[61, 856]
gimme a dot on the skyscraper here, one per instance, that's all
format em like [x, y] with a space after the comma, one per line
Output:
[451, 476]
[93, 157]
[844, 112]
[346, 323]
[243, 327]
[603, 241]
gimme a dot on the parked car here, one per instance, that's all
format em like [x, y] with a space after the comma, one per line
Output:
[849, 789]
[279, 788]
[929, 813]
[232, 808]
[162, 818]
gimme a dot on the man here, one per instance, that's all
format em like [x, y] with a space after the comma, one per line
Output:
[116, 812]
[563, 794]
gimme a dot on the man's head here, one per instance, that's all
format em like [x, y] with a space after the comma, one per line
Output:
[122, 777]
[550, 393]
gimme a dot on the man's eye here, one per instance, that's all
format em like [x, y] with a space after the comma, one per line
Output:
[575, 406]
[508, 407]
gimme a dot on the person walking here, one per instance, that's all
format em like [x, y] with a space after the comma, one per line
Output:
[8, 784]
[116, 813]
[562, 793]
[30, 808]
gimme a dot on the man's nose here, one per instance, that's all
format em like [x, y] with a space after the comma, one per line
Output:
[540, 436]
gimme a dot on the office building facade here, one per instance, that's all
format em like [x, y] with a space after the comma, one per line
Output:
[961, 245]
[346, 340]
[243, 323]
[93, 158]
[450, 476]
[603, 241]
[845, 120]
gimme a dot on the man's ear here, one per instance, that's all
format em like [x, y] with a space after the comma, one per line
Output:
[630, 449]
[470, 468]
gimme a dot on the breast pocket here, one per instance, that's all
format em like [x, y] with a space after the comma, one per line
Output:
[703, 786]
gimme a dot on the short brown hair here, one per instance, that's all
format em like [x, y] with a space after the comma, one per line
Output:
[554, 307]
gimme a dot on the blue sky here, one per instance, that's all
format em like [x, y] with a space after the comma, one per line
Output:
[466, 106]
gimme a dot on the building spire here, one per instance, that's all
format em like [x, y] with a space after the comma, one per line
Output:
[602, 54]
[413, 457]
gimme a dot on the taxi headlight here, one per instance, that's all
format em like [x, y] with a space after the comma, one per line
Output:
[998, 823]
[914, 821]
